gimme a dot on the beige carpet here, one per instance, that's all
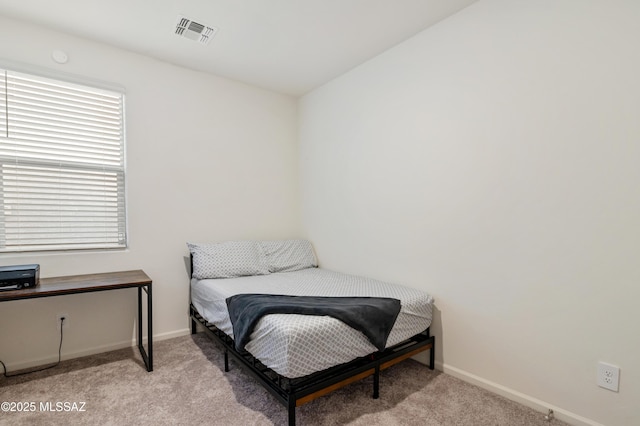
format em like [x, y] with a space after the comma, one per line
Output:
[189, 386]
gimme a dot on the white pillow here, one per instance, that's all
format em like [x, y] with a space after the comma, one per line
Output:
[289, 255]
[228, 259]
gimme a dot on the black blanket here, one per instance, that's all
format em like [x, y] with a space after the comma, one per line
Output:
[373, 316]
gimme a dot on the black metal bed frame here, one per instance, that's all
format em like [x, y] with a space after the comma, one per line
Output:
[293, 393]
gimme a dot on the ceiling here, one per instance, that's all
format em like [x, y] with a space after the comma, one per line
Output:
[289, 46]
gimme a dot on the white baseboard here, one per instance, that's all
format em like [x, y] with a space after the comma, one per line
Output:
[513, 395]
[94, 350]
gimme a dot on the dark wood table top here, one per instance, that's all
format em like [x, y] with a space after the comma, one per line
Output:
[72, 284]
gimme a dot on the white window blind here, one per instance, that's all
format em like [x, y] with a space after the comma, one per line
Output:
[61, 165]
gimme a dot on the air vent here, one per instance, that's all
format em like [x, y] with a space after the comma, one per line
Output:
[202, 33]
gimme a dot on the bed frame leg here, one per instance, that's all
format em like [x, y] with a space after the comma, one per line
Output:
[432, 354]
[226, 361]
[292, 410]
[376, 383]
[194, 327]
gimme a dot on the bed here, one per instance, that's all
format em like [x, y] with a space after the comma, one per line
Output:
[301, 357]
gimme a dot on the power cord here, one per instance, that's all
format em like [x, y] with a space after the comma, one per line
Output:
[44, 368]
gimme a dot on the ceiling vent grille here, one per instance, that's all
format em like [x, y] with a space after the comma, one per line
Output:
[202, 33]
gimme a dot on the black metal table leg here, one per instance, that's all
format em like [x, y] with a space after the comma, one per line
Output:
[139, 336]
[147, 356]
[149, 328]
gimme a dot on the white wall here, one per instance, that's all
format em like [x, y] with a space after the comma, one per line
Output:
[208, 159]
[492, 160]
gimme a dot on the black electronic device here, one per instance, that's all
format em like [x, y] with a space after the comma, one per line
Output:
[16, 277]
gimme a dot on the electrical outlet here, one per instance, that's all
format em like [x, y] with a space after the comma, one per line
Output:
[59, 321]
[608, 376]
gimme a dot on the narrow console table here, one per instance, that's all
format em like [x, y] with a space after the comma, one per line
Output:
[60, 286]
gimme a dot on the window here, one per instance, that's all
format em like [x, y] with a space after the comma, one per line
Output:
[61, 165]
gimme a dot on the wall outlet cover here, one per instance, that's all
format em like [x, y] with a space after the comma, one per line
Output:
[608, 376]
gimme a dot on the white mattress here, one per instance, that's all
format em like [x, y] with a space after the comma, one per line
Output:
[298, 345]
